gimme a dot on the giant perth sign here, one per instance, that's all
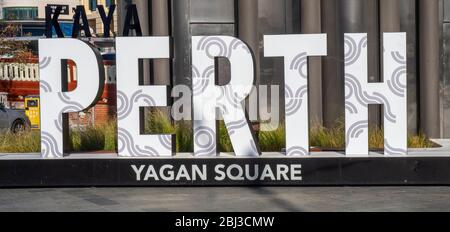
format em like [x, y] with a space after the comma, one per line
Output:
[204, 165]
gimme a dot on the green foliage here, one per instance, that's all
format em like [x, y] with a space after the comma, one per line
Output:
[184, 136]
[26, 142]
[420, 141]
[224, 139]
[272, 140]
[158, 122]
[95, 138]
[11, 48]
[328, 138]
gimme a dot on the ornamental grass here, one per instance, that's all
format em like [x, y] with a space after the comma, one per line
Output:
[103, 137]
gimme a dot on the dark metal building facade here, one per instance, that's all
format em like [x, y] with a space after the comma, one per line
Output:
[427, 23]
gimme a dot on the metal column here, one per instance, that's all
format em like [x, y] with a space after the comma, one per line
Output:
[372, 28]
[310, 21]
[248, 28]
[121, 12]
[332, 69]
[389, 21]
[339, 17]
[144, 19]
[160, 27]
[429, 67]
[389, 15]
[248, 31]
[182, 42]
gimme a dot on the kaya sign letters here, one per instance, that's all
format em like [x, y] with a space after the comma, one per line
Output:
[207, 97]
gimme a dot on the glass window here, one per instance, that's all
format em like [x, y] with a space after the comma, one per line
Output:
[32, 103]
[20, 13]
[275, 17]
[214, 17]
[33, 30]
[93, 5]
[212, 29]
[446, 12]
[217, 29]
[109, 2]
[212, 11]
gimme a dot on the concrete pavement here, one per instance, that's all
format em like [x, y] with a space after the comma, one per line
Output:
[234, 199]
